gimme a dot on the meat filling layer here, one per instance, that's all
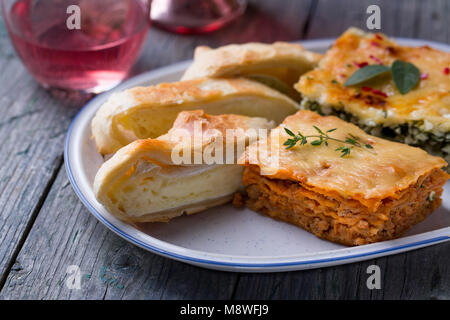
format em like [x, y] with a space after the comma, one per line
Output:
[340, 219]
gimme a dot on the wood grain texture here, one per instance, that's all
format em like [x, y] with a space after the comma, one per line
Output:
[32, 130]
[399, 18]
[44, 228]
[419, 274]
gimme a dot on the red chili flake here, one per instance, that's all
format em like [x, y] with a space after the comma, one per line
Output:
[361, 65]
[446, 70]
[374, 43]
[380, 93]
[424, 76]
[375, 59]
[374, 91]
[378, 36]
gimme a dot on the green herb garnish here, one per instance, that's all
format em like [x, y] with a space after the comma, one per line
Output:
[365, 74]
[405, 75]
[323, 137]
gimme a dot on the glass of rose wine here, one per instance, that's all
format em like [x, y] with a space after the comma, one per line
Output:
[86, 46]
[195, 16]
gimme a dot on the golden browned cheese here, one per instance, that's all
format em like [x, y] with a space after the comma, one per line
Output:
[383, 103]
[366, 175]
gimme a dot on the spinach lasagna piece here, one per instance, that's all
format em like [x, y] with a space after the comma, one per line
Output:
[420, 117]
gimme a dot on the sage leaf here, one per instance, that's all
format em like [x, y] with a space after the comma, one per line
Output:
[405, 75]
[364, 74]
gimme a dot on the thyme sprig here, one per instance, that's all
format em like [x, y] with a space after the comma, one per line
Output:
[350, 142]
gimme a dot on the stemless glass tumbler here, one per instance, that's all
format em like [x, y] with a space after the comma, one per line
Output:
[199, 16]
[77, 45]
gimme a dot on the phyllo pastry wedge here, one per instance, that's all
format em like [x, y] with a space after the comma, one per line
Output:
[419, 117]
[148, 112]
[278, 65]
[373, 191]
[159, 179]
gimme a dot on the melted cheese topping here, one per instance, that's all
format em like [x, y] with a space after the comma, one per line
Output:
[430, 100]
[364, 175]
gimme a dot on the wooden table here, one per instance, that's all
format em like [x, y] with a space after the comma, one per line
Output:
[44, 228]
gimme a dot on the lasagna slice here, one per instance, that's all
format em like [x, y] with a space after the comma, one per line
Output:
[421, 117]
[370, 194]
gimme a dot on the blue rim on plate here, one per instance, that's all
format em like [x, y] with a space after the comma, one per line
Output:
[212, 263]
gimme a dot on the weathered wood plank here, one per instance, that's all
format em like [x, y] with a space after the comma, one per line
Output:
[400, 18]
[432, 22]
[331, 18]
[32, 129]
[420, 274]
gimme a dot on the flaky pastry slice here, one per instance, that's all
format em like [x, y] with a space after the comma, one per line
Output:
[148, 112]
[147, 181]
[267, 63]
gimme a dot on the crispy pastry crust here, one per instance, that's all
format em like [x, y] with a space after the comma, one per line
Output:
[148, 112]
[137, 167]
[243, 59]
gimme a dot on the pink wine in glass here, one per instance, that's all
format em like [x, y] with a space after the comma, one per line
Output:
[93, 58]
[199, 16]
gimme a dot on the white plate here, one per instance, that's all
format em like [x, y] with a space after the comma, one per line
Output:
[226, 238]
